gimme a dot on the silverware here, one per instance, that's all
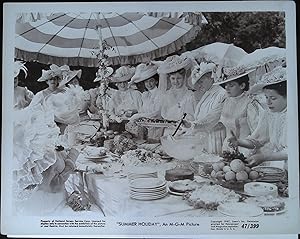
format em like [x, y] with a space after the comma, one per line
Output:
[180, 123]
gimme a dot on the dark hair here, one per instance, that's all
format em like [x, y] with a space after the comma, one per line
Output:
[280, 88]
[141, 85]
[241, 80]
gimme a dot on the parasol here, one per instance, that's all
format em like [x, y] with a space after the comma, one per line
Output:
[263, 61]
[220, 53]
[135, 37]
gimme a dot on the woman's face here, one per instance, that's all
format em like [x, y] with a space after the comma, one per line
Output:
[122, 86]
[16, 81]
[177, 80]
[275, 102]
[204, 83]
[234, 89]
[53, 82]
[150, 84]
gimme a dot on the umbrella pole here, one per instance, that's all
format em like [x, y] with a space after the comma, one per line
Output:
[105, 122]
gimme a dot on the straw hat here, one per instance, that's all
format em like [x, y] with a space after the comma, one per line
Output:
[20, 66]
[48, 74]
[174, 63]
[68, 75]
[277, 75]
[232, 73]
[144, 72]
[124, 73]
[102, 74]
[201, 70]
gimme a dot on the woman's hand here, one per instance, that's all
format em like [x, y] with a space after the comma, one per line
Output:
[186, 124]
[233, 142]
[135, 117]
[255, 160]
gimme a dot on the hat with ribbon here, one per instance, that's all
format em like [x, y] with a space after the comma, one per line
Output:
[232, 73]
[124, 73]
[174, 63]
[48, 74]
[18, 66]
[144, 72]
[101, 74]
[68, 75]
[277, 75]
[201, 70]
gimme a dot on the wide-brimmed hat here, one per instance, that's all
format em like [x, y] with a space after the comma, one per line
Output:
[48, 74]
[103, 73]
[18, 66]
[201, 70]
[124, 73]
[174, 63]
[68, 75]
[232, 73]
[277, 75]
[144, 72]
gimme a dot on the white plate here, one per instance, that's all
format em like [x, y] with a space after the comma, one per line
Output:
[148, 190]
[240, 209]
[275, 213]
[148, 194]
[142, 198]
[96, 157]
[143, 183]
[175, 193]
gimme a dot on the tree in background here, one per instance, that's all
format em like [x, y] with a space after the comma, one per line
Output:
[248, 30]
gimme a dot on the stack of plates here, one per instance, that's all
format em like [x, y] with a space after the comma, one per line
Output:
[148, 188]
[141, 172]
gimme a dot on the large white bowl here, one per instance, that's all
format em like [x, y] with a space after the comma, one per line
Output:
[182, 147]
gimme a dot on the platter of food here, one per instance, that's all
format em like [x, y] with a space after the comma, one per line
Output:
[148, 122]
[210, 196]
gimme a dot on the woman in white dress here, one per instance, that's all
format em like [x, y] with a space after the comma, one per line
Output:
[40, 167]
[22, 96]
[208, 110]
[52, 77]
[71, 79]
[269, 140]
[151, 97]
[240, 112]
[125, 102]
[177, 91]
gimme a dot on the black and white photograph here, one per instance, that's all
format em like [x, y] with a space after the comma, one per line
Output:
[141, 117]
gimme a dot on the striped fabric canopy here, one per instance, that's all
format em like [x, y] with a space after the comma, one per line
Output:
[69, 38]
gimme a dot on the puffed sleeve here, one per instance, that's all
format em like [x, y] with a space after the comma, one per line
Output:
[212, 118]
[37, 99]
[254, 110]
[260, 136]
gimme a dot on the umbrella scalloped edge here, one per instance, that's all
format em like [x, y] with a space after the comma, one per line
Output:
[119, 60]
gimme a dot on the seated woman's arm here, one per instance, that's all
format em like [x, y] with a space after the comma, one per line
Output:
[257, 159]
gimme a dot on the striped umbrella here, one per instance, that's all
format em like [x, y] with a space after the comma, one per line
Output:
[70, 38]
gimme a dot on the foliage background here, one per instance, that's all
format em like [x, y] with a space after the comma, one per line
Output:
[248, 30]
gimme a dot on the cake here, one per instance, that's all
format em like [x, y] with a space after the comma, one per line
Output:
[179, 174]
[261, 189]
